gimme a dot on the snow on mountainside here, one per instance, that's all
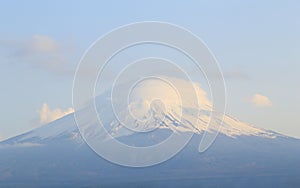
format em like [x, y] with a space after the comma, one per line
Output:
[55, 155]
[155, 104]
[64, 127]
[159, 106]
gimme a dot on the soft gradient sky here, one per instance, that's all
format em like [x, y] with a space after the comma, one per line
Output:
[257, 44]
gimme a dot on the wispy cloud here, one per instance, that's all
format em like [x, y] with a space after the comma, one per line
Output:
[1, 137]
[40, 50]
[21, 145]
[47, 115]
[261, 100]
[42, 44]
[232, 74]
[235, 75]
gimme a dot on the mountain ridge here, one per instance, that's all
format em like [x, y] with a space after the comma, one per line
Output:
[56, 155]
[63, 161]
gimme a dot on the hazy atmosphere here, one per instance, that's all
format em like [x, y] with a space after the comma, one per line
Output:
[256, 43]
[150, 94]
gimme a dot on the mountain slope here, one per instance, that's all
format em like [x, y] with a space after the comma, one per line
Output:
[59, 158]
[55, 155]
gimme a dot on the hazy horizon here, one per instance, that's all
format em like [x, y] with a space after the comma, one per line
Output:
[256, 44]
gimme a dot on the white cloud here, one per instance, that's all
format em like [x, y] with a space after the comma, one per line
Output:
[44, 52]
[39, 50]
[43, 44]
[261, 100]
[1, 138]
[47, 115]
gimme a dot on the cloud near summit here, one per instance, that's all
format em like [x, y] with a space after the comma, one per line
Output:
[47, 115]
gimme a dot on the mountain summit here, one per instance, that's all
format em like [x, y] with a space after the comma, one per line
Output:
[242, 155]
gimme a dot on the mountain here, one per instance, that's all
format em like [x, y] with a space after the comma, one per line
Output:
[56, 155]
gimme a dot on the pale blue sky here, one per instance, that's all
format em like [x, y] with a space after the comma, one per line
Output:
[257, 44]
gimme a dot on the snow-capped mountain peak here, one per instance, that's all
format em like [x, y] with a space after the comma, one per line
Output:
[170, 105]
[152, 105]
